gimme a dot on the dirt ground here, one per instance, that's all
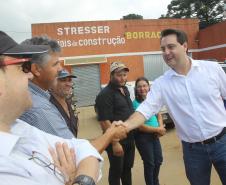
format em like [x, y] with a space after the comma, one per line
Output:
[172, 170]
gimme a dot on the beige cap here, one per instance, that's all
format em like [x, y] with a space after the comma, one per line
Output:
[119, 66]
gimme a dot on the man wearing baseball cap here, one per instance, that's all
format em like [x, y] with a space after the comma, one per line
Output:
[61, 93]
[113, 103]
[24, 155]
[61, 97]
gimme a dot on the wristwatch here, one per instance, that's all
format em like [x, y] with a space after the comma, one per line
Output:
[84, 180]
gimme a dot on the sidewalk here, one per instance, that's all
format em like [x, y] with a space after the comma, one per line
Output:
[172, 171]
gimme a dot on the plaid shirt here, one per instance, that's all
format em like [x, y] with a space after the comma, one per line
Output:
[44, 115]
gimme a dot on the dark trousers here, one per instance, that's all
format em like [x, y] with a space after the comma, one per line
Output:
[120, 167]
[150, 150]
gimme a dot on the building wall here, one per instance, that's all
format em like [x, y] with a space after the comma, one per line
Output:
[124, 40]
[111, 37]
[210, 37]
[132, 62]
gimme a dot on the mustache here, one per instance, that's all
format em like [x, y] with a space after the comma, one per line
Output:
[117, 83]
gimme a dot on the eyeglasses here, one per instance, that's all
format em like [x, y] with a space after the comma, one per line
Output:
[24, 62]
[44, 161]
[15, 61]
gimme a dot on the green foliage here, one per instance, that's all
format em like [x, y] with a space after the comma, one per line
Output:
[207, 11]
[132, 16]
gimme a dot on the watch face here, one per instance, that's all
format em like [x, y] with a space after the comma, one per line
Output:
[84, 180]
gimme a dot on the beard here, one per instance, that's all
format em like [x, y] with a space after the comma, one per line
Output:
[117, 83]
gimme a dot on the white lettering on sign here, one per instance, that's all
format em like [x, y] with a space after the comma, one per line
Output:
[83, 30]
[92, 42]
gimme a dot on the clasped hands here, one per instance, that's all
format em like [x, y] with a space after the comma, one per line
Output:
[119, 130]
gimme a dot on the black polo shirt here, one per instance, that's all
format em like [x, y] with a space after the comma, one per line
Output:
[112, 105]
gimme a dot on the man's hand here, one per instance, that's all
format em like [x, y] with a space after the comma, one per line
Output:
[64, 160]
[117, 149]
[120, 123]
[119, 132]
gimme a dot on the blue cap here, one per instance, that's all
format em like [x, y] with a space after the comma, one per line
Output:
[64, 74]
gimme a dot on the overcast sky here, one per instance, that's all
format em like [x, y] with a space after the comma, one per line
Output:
[16, 16]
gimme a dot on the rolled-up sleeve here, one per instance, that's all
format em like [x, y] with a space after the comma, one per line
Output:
[82, 147]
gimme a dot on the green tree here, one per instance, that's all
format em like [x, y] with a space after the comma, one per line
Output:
[132, 16]
[207, 11]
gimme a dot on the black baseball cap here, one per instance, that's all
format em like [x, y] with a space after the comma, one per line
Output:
[11, 48]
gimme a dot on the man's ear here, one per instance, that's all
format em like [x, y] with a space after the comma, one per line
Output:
[35, 69]
[185, 47]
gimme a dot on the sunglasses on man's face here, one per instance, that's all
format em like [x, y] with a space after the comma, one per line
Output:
[15, 61]
[25, 63]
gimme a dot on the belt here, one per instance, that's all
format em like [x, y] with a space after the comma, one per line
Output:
[213, 139]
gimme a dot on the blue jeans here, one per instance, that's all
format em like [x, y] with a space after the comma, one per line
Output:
[150, 150]
[199, 158]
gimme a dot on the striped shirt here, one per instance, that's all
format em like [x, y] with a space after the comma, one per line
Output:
[44, 115]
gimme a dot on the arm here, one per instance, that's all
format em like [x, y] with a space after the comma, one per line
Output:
[89, 167]
[162, 130]
[134, 121]
[64, 160]
[111, 134]
[158, 130]
[160, 120]
[105, 125]
[148, 129]
[105, 110]
[103, 141]
[221, 81]
[149, 107]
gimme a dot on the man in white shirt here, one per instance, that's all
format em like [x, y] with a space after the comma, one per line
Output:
[192, 90]
[27, 155]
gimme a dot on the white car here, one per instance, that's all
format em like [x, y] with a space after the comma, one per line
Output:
[223, 65]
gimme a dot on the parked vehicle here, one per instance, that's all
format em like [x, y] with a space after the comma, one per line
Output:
[223, 65]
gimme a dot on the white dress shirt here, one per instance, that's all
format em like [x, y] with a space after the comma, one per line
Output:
[194, 101]
[17, 147]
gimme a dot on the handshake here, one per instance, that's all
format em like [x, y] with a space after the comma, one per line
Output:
[118, 130]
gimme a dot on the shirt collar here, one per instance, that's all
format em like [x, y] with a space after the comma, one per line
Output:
[38, 91]
[194, 64]
[7, 143]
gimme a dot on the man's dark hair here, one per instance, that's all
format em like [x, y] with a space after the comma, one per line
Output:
[181, 35]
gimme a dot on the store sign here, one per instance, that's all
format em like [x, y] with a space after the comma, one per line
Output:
[143, 35]
[102, 39]
[88, 30]
[110, 37]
